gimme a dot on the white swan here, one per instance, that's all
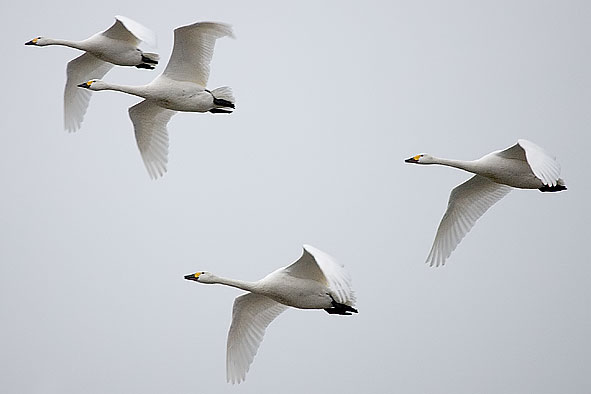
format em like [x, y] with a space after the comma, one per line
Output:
[181, 87]
[523, 165]
[314, 281]
[116, 45]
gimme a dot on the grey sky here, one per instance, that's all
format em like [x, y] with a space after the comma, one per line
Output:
[331, 98]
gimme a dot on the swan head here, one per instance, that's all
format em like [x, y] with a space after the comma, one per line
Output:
[421, 159]
[202, 277]
[38, 41]
[93, 84]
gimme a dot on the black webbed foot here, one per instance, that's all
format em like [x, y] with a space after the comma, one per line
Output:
[223, 103]
[556, 188]
[220, 111]
[340, 309]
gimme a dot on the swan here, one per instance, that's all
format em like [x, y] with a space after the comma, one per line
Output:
[118, 45]
[181, 87]
[314, 281]
[524, 165]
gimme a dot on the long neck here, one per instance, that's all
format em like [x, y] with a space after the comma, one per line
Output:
[240, 284]
[470, 166]
[133, 90]
[68, 43]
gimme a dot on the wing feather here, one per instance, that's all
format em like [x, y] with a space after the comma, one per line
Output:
[467, 203]
[193, 51]
[126, 29]
[251, 315]
[149, 123]
[321, 267]
[76, 100]
[543, 165]
[514, 152]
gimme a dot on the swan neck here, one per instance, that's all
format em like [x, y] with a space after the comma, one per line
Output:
[133, 90]
[469, 166]
[66, 43]
[240, 284]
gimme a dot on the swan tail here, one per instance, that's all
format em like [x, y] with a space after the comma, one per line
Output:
[223, 97]
[149, 57]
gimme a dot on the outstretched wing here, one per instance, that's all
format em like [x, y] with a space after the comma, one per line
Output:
[149, 123]
[467, 203]
[514, 152]
[251, 315]
[321, 267]
[126, 29]
[193, 50]
[543, 165]
[79, 70]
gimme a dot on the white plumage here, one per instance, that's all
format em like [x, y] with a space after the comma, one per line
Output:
[181, 87]
[118, 45]
[523, 165]
[251, 314]
[314, 281]
[467, 203]
[193, 51]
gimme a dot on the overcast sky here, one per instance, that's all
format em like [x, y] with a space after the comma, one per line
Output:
[331, 98]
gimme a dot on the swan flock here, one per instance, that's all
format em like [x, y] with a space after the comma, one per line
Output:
[315, 280]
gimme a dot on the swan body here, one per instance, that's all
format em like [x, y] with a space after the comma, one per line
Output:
[166, 93]
[524, 165]
[298, 293]
[115, 51]
[181, 87]
[314, 281]
[118, 45]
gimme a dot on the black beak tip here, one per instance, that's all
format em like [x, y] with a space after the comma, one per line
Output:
[83, 85]
[29, 43]
[190, 277]
[411, 160]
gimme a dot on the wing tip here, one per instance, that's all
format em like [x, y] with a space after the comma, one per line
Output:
[235, 378]
[319, 254]
[146, 35]
[434, 259]
[223, 28]
[308, 248]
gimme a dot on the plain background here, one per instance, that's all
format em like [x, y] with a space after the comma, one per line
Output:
[331, 98]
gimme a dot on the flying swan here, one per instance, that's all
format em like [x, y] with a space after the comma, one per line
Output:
[116, 45]
[523, 165]
[314, 281]
[181, 87]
